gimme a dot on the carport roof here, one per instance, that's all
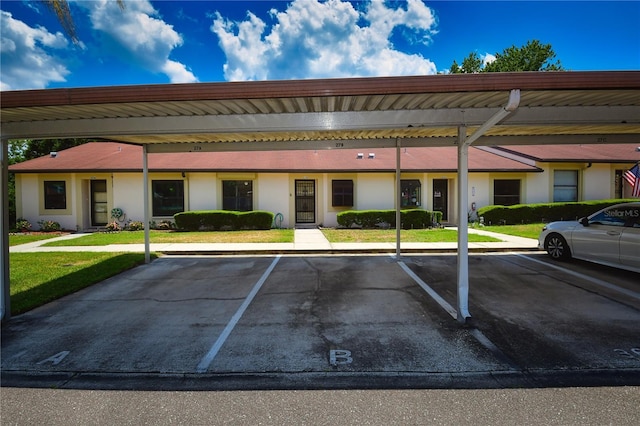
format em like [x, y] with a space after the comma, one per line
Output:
[582, 107]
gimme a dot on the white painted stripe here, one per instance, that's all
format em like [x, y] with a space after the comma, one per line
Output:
[208, 358]
[488, 344]
[431, 292]
[477, 334]
[596, 281]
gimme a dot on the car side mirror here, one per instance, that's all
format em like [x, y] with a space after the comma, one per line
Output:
[584, 221]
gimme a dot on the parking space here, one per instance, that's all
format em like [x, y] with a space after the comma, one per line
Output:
[323, 321]
[554, 316]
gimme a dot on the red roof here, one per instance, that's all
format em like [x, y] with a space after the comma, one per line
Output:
[113, 157]
[611, 153]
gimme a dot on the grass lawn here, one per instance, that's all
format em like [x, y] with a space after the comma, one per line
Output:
[530, 230]
[17, 239]
[137, 237]
[39, 278]
[407, 236]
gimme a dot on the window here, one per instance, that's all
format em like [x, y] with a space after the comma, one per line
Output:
[55, 195]
[168, 197]
[410, 190]
[565, 185]
[342, 193]
[618, 216]
[237, 195]
[506, 192]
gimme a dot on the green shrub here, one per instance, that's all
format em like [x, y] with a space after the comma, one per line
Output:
[49, 225]
[113, 227]
[410, 219]
[415, 219]
[134, 225]
[23, 224]
[257, 219]
[543, 212]
[162, 225]
[366, 218]
[216, 220]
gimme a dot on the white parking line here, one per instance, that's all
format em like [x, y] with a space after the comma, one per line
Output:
[208, 358]
[475, 333]
[596, 281]
[431, 292]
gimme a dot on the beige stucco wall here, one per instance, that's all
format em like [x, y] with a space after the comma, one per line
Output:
[27, 198]
[127, 195]
[597, 182]
[374, 191]
[273, 194]
[480, 189]
[538, 188]
[203, 191]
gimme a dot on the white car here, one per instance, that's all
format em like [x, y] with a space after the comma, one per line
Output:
[610, 237]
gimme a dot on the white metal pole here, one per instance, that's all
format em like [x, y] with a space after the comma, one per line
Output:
[5, 292]
[398, 199]
[463, 237]
[145, 196]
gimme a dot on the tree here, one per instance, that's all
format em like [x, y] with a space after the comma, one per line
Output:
[533, 56]
[38, 147]
[470, 64]
[61, 9]
[15, 154]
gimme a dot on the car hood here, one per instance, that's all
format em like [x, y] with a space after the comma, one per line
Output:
[562, 225]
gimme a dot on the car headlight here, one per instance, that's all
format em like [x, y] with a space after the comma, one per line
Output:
[544, 228]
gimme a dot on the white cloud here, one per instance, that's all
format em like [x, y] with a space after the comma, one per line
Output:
[330, 39]
[487, 58]
[26, 61]
[139, 36]
[177, 72]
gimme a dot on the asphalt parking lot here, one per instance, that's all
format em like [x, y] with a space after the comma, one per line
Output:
[334, 322]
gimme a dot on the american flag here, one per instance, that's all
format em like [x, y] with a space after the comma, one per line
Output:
[633, 177]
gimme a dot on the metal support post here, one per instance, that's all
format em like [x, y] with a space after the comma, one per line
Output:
[463, 236]
[145, 196]
[398, 199]
[5, 293]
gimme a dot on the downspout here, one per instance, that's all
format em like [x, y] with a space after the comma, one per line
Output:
[145, 196]
[398, 199]
[464, 143]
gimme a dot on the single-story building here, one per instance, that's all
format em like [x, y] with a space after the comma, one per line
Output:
[80, 187]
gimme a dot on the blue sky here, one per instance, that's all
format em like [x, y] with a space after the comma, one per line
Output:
[208, 41]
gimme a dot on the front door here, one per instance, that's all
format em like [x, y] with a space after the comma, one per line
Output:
[441, 197]
[305, 201]
[99, 214]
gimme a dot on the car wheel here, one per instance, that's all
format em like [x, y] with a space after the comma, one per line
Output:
[557, 247]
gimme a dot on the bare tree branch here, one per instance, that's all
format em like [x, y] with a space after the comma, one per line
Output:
[63, 13]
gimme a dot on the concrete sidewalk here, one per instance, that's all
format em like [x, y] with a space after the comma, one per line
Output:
[305, 241]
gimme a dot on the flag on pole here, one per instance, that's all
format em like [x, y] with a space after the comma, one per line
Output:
[633, 177]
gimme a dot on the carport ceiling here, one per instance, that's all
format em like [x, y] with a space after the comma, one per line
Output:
[554, 108]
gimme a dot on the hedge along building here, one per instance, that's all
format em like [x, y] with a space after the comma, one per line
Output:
[366, 113]
[80, 187]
